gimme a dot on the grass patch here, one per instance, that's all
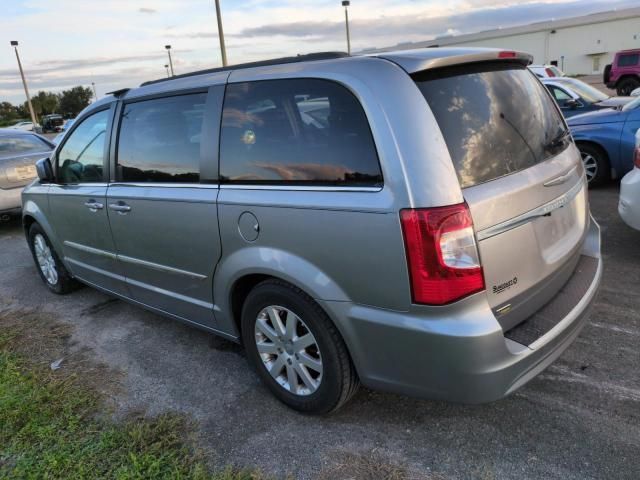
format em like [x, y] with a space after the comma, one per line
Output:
[370, 465]
[52, 423]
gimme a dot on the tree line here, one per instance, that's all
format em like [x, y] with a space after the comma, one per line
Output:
[68, 103]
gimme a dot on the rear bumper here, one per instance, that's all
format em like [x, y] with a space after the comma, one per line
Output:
[10, 200]
[459, 352]
[629, 202]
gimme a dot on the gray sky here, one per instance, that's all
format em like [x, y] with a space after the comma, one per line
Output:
[120, 43]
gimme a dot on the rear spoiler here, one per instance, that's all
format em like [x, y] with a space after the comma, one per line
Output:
[413, 61]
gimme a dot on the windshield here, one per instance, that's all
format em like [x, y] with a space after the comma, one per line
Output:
[586, 91]
[631, 105]
[496, 119]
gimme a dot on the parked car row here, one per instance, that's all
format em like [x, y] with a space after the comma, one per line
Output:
[53, 123]
[472, 264]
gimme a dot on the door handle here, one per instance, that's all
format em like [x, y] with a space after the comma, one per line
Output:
[93, 205]
[120, 207]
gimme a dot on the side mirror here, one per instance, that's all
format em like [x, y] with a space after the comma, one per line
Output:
[44, 170]
[572, 103]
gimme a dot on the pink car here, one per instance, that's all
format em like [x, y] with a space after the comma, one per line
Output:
[623, 74]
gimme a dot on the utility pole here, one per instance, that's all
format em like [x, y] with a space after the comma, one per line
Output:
[14, 44]
[223, 49]
[346, 4]
[168, 47]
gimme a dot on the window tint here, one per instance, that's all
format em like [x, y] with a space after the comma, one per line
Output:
[160, 140]
[296, 132]
[496, 119]
[560, 95]
[18, 144]
[629, 60]
[586, 91]
[81, 158]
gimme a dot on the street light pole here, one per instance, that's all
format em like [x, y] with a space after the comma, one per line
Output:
[168, 47]
[346, 4]
[166, 67]
[223, 49]
[95, 94]
[14, 44]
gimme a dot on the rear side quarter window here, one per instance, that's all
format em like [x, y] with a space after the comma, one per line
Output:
[628, 60]
[296, 132]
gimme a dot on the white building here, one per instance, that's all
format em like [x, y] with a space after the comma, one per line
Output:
[579, 45]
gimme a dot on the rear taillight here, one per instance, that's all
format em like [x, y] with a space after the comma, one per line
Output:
[550, 72]
[636, 157]
[442, 255]
[507, 54]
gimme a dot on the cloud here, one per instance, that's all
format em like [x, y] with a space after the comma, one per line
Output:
[71, 65]
[425, 25]
[119, 52]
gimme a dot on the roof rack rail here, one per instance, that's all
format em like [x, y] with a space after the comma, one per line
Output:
[309, 57]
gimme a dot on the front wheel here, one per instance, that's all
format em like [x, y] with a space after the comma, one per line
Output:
[296, 349]
[51, 270]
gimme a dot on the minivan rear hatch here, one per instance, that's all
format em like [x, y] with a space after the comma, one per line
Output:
[520, 174]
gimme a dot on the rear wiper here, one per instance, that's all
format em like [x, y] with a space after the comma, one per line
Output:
[558, 139]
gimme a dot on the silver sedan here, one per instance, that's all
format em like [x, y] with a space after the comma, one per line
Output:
[19, 151]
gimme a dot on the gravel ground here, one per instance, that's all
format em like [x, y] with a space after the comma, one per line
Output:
[580, 419]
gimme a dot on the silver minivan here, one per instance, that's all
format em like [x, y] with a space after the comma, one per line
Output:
[414, 221]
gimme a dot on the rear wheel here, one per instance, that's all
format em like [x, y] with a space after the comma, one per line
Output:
[596, 164]
[296, 350]
[606, 74]
[51, 270]
[627, 86]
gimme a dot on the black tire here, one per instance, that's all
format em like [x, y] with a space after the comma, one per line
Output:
[606, 75]
[596, 164]
[626, 86]
[339, 380]
[64, 282]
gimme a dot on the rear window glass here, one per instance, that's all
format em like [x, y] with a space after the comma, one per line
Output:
[20, 144]
[296, 132]
[629, 60]
[496, 119]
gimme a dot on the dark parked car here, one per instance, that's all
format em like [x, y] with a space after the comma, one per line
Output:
[575, 96]
[52, 123]
[624, 73]
[606, 140]
[19, 151]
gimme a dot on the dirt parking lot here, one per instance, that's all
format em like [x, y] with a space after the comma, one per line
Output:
[580, 419]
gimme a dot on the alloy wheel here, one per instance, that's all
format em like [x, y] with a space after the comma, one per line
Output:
[288, 350]
[590, 165]
[46, 262]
